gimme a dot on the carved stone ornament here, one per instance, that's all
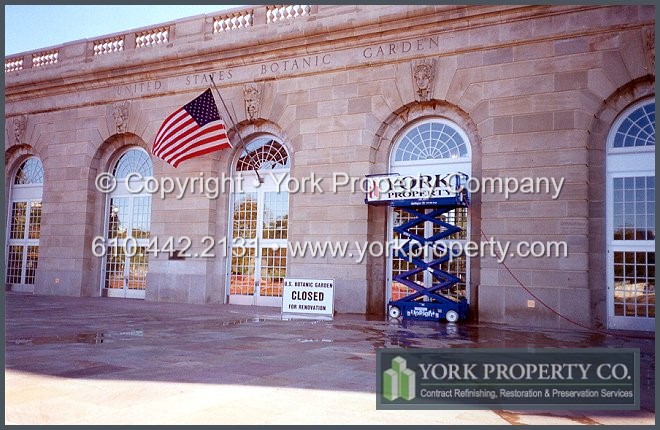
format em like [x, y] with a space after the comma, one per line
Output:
[120, 114]
[20, 125]
[650, 48]
[423, 77]
[252, 95]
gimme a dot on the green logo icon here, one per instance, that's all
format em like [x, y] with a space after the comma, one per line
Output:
[398, 381]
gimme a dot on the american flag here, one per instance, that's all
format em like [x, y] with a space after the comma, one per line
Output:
[193, 130]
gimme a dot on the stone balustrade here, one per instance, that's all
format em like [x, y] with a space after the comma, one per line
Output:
[233, 21]
[13, 64]
[109, 45]
[45, 58]
[153, 36]
[282, 12]
[160, 35]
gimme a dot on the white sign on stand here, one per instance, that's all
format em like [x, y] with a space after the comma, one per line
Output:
[394, 187]
[308, 296]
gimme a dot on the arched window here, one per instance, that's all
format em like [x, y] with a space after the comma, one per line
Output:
[134, 161]
[636, 128]
[263, 154]
[30, 172]
[128, 228]
[24, 225]
[432, 140]
[260, 224]
[631, 218]
[430, 146]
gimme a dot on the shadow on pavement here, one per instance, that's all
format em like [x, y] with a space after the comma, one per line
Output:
[117, 339]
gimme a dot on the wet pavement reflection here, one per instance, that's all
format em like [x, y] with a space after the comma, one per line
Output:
[115, 339]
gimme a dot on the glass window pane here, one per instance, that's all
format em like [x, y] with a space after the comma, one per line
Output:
[15, 264]
[273, 271]
[634, 218]
[35, 220]
[618, 140]
[634, 286]
[242, 280]
[276, 215]
[138, 268]
[637, 129]
[118, 218]
[30, 172]
[245, 215]
[141, 222]
[31, 261]
[650, 222]
[115, 264]
[628, 184]
[134, 161]
[18, 214]
[431, 141]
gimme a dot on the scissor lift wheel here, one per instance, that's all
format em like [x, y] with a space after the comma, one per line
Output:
[451, 316]
[394, 312]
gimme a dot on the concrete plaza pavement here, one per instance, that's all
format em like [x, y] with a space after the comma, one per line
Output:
[114, 361]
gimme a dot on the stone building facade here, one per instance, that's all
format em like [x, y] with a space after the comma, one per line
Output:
[519, 91]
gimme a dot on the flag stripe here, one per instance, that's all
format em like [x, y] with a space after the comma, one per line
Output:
[197, 143]
[183, 143]
[212, 148]
[188, 127]
[178, 129]
[200, 141]
[169, 134]
[174, 117]
[190, 131]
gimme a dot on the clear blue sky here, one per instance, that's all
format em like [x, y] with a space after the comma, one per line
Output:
[33, 27]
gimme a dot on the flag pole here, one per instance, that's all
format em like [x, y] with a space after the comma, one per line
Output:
[233, 123]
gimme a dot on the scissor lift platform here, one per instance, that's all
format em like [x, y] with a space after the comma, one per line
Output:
[436, 195]
[431, 303]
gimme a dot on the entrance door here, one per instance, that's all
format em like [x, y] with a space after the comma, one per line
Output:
[24, 226]
[128, 229]
[259, 225]
[430, 147]
[458, 265]
[631, 219]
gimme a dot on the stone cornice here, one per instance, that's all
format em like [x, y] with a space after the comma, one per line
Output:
[322, 37]
[200, 47]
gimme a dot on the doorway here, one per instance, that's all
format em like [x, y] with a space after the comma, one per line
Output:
[259, 224]
[429, 147]
[128, 228]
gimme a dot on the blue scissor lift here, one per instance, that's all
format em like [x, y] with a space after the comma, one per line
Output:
[433, 303]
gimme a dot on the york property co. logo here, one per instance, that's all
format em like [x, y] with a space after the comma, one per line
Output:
[399, 381]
